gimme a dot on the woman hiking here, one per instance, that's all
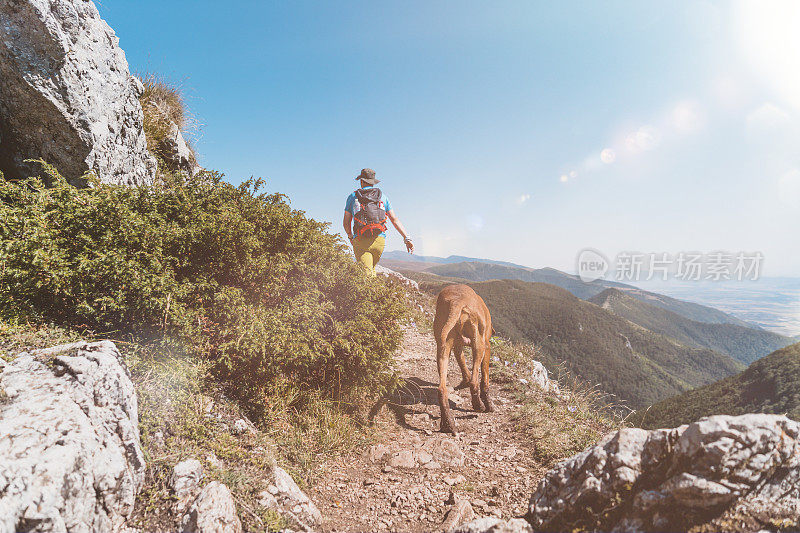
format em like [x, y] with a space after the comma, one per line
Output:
[365, 215]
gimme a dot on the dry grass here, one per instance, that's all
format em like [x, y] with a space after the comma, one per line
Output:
[163, 104]
[559, 425]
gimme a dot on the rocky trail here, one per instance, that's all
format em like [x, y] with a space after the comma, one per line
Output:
[417, 479]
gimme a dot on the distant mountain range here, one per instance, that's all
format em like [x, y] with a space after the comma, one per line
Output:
[464, 268]
[770, 385]
[745, 344]
[631, 362]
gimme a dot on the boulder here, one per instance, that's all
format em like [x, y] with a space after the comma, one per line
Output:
[214, 511]
[726, 473]
[70, 456]
[67, 96]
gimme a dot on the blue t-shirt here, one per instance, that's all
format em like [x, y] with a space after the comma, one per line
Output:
[352, 206]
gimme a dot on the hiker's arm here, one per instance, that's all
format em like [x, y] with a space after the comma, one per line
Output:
[347, 223]
[399, 225]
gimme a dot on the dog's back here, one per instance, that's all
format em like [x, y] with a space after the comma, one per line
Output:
[456, 306]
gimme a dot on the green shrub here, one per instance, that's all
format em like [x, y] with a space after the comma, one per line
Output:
[271, 299]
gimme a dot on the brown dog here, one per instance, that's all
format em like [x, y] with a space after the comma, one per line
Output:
[462, 319]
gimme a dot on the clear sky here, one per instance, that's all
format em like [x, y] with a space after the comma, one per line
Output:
[522, 131]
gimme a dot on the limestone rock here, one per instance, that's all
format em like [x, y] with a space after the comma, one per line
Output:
[66, 94]
[177, 153]
[185, 482]
[495, 525]
[388, 272]
[732, 473]
[70, 456]
[446, 451]
[294, 505]
[214, 511]
[459, 513]
[402, 459]
[541, 379]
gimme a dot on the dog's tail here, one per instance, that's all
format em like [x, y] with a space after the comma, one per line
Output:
[442, 330]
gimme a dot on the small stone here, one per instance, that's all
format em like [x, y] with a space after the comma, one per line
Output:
[454, 479]
[266, 500]
[423, 457]
[240, 427]
[376, 452]
[402, 459]
[460, 512]
[386, 469]
[480, 504]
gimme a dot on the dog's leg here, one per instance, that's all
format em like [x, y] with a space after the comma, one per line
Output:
[487, 402]
[443, 347]
[458, 352]
[478, 352]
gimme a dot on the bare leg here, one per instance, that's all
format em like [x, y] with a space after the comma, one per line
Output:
[487, 403]
[458, 352]
[478, 351]
[448, 425]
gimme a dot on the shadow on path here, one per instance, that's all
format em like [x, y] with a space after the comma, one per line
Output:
[414, 397]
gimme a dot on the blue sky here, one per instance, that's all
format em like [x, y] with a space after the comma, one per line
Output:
[522, 131]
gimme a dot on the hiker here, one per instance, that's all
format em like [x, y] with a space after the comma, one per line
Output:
[366, 210]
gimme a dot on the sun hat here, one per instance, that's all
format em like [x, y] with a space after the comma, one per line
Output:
[368, 175]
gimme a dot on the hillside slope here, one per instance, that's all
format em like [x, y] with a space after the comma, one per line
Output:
[482, 271]
[635, 364]
[742, 343]
[770, 385]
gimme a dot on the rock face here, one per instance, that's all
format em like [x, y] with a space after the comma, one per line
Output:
[724, 473]
[70, 457]
[66, 94]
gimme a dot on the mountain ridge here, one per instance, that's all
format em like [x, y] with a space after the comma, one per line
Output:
[742, 343]
[770, 385]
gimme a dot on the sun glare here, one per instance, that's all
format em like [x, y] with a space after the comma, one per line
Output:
[769, 34]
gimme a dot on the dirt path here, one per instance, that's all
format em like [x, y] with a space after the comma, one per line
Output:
[404, 482]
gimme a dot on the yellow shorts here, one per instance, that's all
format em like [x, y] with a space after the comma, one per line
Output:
[368, 251]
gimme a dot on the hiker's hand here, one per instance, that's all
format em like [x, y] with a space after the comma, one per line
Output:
[409, 245]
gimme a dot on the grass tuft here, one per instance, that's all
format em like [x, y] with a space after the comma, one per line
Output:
[163, 104]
